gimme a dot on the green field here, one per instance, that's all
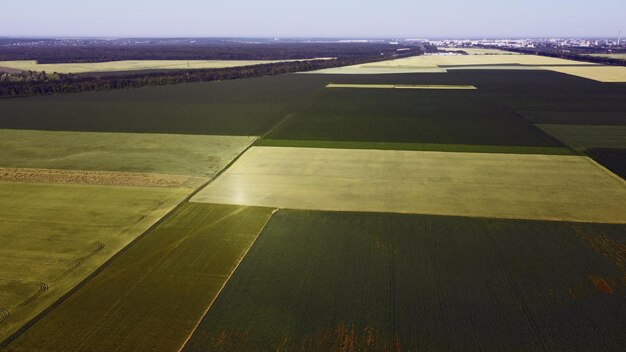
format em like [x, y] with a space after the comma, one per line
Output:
[131, 152]
[410, 116]
[612, 159]
[55, 235]
[468, 148]
[245, 107]
[320, 281]
[581, 137]
[575, 118]
[167, 281]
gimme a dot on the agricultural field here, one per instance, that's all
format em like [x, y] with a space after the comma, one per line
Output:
[410, 116]
[430, 203]
[621, 56]
[581, 137]
[493, 185]
[247, 107]
[323, 281]
[612, 159]
[481, 51]
[136, 65]
[575, 118]
[58, 228]
[131, 152]
[190, 255]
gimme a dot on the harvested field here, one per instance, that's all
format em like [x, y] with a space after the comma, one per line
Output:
[135, 65]
[400, 86]
[179, 267]
[582, 137]
[544, 187]
[244, 107]
[53, 236]
[320, 281]
[424, 63]
[410, 116]
[575, 118]
[48, 176]
[128, 152]
[597, 73]
[9, 70]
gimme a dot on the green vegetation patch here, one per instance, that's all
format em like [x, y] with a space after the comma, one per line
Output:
[153, 295]
[321, 281]
[128, 152]
[245, 107]
[54, 236]
[612, 159]
[414, 146]
[410, 116]
[582, 137]
[575, 118]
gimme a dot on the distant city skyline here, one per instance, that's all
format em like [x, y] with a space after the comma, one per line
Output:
[322, 19]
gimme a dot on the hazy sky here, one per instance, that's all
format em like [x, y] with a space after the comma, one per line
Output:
[320, 18]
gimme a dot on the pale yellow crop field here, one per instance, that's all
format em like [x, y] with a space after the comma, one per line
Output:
[131, 152]
[481, 51]
[135, 65]
[599, 73]
[437, 63]
[400, 86]
[54, 235]
[542, 187]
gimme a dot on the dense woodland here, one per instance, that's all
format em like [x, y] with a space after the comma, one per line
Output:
[38, 83]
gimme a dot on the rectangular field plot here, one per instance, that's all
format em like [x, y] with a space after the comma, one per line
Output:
[244, 107]
[400, 86]
[168, 279]
[318, 281]
[129, 152]
[468, 184]
[132, 65]
[410, 116]
[53, 236]
[598, 73]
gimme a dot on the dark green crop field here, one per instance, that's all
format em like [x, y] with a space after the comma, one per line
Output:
[153, 295]
[237, 107]
[322, 281]
[575, 118]
[612, 159]
[410, 116]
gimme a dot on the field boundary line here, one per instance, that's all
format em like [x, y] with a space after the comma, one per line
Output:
[601, 167]
[97, 271]
[245, 254]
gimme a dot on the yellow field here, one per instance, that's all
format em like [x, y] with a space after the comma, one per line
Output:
[54, 235]
[481, 51]
[597, 73]
[400, 86]
[435, 63]
[570, 188]
[134, 65]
